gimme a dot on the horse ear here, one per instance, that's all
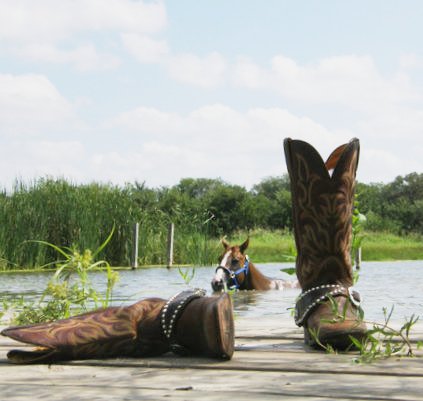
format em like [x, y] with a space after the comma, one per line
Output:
[225, 243]
[244, 245]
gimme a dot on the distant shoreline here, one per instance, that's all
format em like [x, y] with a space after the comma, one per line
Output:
[278, 247]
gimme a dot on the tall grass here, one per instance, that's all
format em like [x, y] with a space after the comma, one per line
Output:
[60, 213]
[81, 216]
[268, 246]
[387, 246]
[279, 246]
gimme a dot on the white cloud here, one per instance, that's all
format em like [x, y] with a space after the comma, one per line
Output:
[30, 104]
[247, 74]
[353, 81]
[244, 147]
[411, 61]
[211, 141]
[31, 159]
[334, 98]
[215, 141]
[148, 121]
[395, 125]
[156, 162]
[145, 49]
[83, 58]
[382, 110]
[205, 72]
[382, 164]
[52, 21]
[69, 31]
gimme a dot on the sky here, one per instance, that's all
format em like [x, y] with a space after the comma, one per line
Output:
[119, 91]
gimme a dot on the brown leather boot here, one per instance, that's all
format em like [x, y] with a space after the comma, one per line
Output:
[328, 307]
[189, 323]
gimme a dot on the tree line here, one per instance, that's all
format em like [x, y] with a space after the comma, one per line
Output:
[82, 215]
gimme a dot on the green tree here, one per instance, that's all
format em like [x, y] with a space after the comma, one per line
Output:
[277, 212]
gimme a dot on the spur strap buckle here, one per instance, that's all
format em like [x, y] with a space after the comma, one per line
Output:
[311, 298]
[354, 296]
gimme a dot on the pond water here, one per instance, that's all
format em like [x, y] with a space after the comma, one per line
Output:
[381, 284]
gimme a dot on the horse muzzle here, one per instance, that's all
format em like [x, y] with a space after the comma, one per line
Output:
[217, 285]
[220, 279]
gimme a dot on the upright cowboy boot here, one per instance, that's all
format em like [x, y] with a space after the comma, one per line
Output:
[328, 307]
[189, 323]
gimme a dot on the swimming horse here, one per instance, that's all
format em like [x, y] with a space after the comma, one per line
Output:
[236, 271]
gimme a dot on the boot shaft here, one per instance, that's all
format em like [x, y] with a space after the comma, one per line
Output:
[106, 333]
[188, 323]
[322, 206]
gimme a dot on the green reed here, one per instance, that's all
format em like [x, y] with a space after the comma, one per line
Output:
[382, 339]
[70, 290]
[60, 212]
[63, 213]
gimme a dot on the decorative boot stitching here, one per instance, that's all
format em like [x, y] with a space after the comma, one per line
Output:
[322, 206]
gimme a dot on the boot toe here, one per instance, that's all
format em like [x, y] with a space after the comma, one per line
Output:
[326, 328]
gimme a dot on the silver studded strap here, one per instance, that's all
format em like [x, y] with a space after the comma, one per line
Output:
[311, 298]
[172, 311]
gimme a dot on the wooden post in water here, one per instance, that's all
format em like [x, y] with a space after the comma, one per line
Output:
[135, 235]
[170, 235]
[358, 258]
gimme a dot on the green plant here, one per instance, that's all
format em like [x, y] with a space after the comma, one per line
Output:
[70, 289]
[289, 270]
[292, 256]
[358, 223]
[61, 212]
[230, 291]
[381, 341]
[187, 274]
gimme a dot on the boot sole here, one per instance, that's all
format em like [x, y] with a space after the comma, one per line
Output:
[223, 335]
[338, 340]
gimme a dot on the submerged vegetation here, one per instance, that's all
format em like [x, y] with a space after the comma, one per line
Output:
[81, 216]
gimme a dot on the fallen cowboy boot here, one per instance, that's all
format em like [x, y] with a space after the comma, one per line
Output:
[328, 307]
[189, 323]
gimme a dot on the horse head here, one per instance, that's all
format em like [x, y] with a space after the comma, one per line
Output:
[232, 271]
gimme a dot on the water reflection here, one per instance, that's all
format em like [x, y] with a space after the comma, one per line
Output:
[245, 300]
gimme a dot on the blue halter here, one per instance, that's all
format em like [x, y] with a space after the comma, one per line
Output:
[233, 274]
